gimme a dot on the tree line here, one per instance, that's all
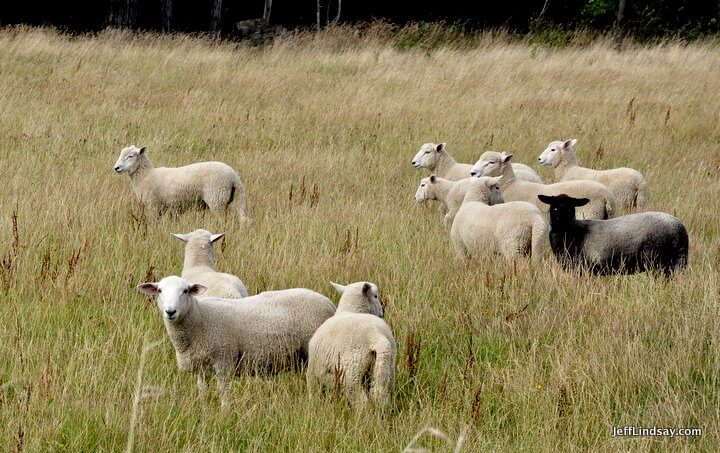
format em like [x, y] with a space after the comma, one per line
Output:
[641, 17]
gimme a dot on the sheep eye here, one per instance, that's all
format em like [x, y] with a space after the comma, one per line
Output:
[159, 290]
[185, 291]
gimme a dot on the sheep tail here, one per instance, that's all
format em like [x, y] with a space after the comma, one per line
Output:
[683, 247]
[641, 196]
[241, 201]
[383, 373]
[610, 207]
[539, 236]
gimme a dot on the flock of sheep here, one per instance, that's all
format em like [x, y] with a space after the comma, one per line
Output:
[216, 328]
[497, 206]
[494, 207]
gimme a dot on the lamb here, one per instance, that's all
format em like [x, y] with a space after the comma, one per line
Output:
[628, 185]
[435, 158]
[355, 349]
[267, 332]
[209, 184]
[485, 225]
[199, 266]
[449, 193]
[602, 201]
[647, 241]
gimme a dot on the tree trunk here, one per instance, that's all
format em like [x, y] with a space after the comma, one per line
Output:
[167, 7]
[621, 12]
[122, 13]
[216, 16]
[620, 25]
[542, 11]
[317, 17]
[337, 15]
[267, 10]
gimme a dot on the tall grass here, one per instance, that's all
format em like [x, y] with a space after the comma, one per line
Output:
[322, 129]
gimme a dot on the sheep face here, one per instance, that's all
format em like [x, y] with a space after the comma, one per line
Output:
[555, 151]
[562, 208]
[428, 155]
[486, 189]
[490, 164]
[128, 160]
[360, 297]
[425, 191]
[173, 296]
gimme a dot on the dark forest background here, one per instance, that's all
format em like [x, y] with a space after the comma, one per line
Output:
[687, 18]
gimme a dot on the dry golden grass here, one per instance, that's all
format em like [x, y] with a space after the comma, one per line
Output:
[513, 358]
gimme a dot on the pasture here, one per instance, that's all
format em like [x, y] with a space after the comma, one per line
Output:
[322, 129]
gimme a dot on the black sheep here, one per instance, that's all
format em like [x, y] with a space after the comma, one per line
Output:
[628, 244]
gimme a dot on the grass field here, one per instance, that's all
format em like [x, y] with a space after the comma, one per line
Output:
[322, 130]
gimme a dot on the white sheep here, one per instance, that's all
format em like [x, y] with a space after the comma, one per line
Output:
[602, 201]
[199, 266]
[484, 225]
[210, 184]
[435, 158]
[449, 193]
[355, 349]
[262, 333]
[628, 185]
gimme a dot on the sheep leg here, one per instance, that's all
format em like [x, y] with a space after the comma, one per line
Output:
[241, 200]
[313, 384]
[202, 381]
[223, 379]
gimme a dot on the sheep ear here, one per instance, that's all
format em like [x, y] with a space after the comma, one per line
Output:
[492, 181]
[339, 288]
[546, 199]
[432, 178]
[215, 237]
[142, 150]
[150, 289]
[182, 237]
[440, 147]
[366, 289]
[569, 144]
[506, 157]
[196, 289]
[579, 201]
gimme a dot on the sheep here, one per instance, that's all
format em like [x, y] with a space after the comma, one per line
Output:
[628, 185]
[484, 224]
[435, 158]
[354, 349]
[628, 244]
[210, 184]
[602, 201]
[264, 333]
[199, 266]
[449, 193]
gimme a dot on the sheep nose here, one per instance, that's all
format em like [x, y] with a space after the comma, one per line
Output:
[117, 169]
[539, 159]
[170, 313]
[473, 173]
[414, 163]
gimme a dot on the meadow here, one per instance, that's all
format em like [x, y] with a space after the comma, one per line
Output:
[322, 129]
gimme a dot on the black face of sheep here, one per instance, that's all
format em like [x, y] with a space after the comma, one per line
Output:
[562, 208]
[633, 243]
